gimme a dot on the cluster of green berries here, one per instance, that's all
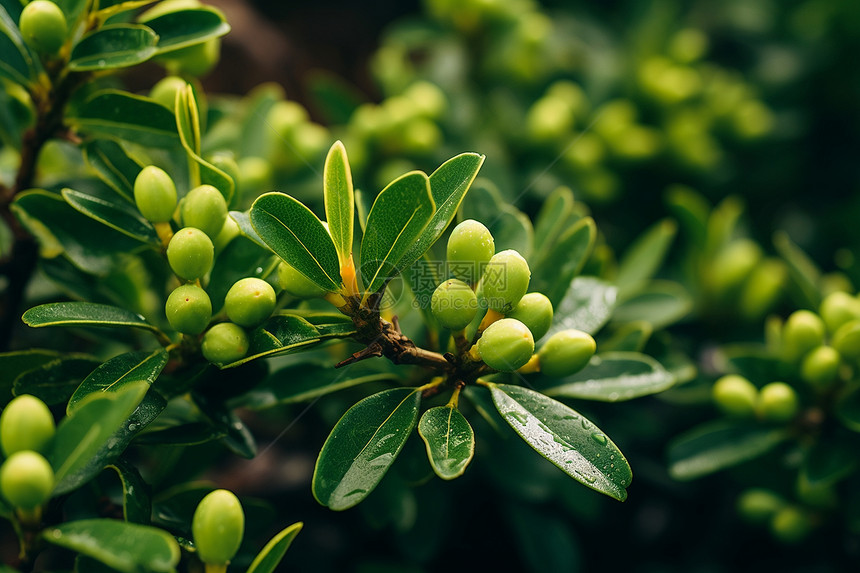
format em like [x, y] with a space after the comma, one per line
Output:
[787, 522]
[515, 319]
[738, 397]
[26, 478]
[218, 526]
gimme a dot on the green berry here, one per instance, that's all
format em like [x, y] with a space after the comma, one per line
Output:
[566, 352]
[428, 99]
[733, 265]
[250, 301]
[820, 366]
[802, 332]
[454, 304]
[758, 505]
[188, 309]
[735, 395]
[228, 232]
[225, 161]
[26, 423]
[190, 253]
[790, 525]
[535, 311]
[777, 402]
[26, 480]
[218, 527]
[225, 343]
[155, 194]
[763, 288]
[846, 340]
[255, 173]
[506, 280]
[43, 26]
[164, 92]
[296, 284]
[204, 208]
[470, 248]
[838, 308]
[506, 345]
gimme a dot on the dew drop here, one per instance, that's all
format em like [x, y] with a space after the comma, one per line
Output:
[599, 438]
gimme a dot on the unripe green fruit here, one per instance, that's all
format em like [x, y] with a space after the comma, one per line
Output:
[26, 423]
[228, 232]
[763, 288]
[43, 26]
[838, 308]
[733, 265]
[26, 480]
[535, 311]
[846, 340]
[454, 304]
[197, 60]
[190, 253]
[225, 161]
[255, 173]
[188, 309]
[204, 208]
[470, 248]
[566, 352]
[164, 92]
[777, 402]
[155, 194]
[506, 280]
[549, 118]
[735, 395]
[820, 366]
[802, 332]
[250, 301]
[218, 527]
[428, 99]
[296, 284]
[506, 345]
[790, 525]
[758, 505]
[225, 343]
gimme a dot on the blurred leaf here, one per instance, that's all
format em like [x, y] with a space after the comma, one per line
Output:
[334, 98]
[108, 8]
[643, 258]
[692, 211]
[268, 559]
[295, 234]
[363, 445]
[113, 165]
[450, 440]
[551, 219]
[510, 227]
[118, 373]
[565, 259]
[183, 28]
[17, 62]
[15, 363]
[255, 122]
[339, 201]
[805, 275]
[119, 114]
[84, 313]
[237, 437]
[828, 462]
[586, 306]
[848, 408]
[117, 216]
[630, 337]
[660, 304]
[190, 434]
[113, 46]
[53, 382]
[753, 361]
[396, 221]
[127, 547]
[136, 504]
[720, 444]
[546, 542]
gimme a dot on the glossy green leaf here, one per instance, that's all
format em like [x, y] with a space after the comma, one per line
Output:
[136, 503]
[295, 234]
[108, 8]
[630, 337]
[15, 363]
[613, 377]
[564, 260]
[113, 165]
[13, 8]
[268, 559]
[118, 373]
[718, 445]
[183, 28]
[804, 273]
[127, 547]
[643, 258]
[661, 304]
[190, 434]
[587, 306]
[339, 198]
[450, 440]
[396, 220]
[84, 314]
[237, 437]
[188, 126]
[54, 381]
[113, 46]
[551, 218]
[565, 438]
[17, 61]
[122, 218]
[363, 445]
[121, 115]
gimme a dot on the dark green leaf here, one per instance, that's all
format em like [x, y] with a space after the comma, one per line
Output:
[363, 445]
[113, 165]
[119, 114]
[630, 337]
[718, 445]
[190, 434]
[243, 220]
[552, 217]
[565, 438]
[564, 260]
[240, 258]
[295, 234]
[397, 218]
[237, 437]
[586, 306]
[450, 440]
[546, 541]
[848, 408]
[805, 275]
[17, 62]
[613, 377]
[828, 462]
[339, 199]
[661, 304]
[136, 504]
[258, 104]
[113, 46]
[54, 381]
[692, 211]
[117, 216]
[83, 313]
[119, 372]
[13, 364]
[183, 28]
[108, 8]
[511, 228]
[645, 256]
[127, 547]
[268, 559]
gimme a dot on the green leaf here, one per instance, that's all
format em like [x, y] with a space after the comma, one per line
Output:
[127, 547]
[108, 8]
[240, 258]
[828, 462]
[848, 408]
[136, 503]
[630, 337]
[84, 313]
[80, 436]
[565, 259]
[258, 103]
[448, 186]
[183, 28]
[397, 218]
[295, 234]
[17, 61]
[586, 306]
[363, 445]
[243, 220]
[692, 211]
[613, 377]
[15, 363]
[268, 559]
[54, 381]
[339, 200]
[237, 437]
[661, 304]
[118, 373]
[565, 438]
[121, 115]
[546, 539]
[511, 228]
[113, 165]
[117, 216]
[113, 46]
[645, 256]
[718, 445]
[803, 271]
[551, 218]
[450, 440]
